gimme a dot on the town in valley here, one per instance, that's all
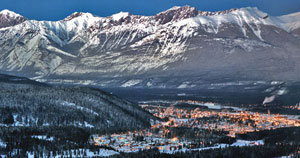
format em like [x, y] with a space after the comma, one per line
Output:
[198, 126]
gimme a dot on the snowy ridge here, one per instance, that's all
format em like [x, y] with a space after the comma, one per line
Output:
[9, 13]
[251, 17]
[290, 22]
[75, 26]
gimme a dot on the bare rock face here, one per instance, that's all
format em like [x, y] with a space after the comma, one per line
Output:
[9, 18]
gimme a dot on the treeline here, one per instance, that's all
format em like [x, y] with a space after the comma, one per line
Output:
[288, 135]
[200, 137]
[59, 140]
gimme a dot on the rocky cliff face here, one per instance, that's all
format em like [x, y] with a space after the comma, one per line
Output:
[181, 47]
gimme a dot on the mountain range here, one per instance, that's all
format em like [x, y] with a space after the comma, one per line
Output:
[179, 48]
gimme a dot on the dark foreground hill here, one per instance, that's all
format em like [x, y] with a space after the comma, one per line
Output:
[34, 104]
[35, 115]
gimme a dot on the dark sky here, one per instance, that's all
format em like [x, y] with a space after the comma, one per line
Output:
[59, 9]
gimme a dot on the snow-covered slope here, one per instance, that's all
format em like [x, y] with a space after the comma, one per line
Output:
[289, 22]
[181, 43]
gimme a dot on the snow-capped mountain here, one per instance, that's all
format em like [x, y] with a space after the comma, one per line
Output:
[9, 18]
[181, 47]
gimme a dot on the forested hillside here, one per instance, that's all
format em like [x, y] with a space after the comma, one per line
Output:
[64, 116]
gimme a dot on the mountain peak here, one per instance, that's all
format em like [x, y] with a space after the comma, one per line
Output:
[176, 13]
[180, 8]
[251, 12]
[185, 7]
[73, 15]
[78, 14]
[119, 16]
[9, 13]
[10, 18]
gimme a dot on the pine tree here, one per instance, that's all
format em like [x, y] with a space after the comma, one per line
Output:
[9, 119]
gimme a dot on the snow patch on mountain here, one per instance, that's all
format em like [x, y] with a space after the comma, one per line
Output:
[184, 85]
[131, 83]
[269, 99]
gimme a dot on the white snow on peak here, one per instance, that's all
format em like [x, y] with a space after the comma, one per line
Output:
[120, 15]
[250, 16]
[291, 17]
[290, 22]
[83, 19]
[83, 15]
[9, 13]
[251, 11]
[75, 26]
[86, 19]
